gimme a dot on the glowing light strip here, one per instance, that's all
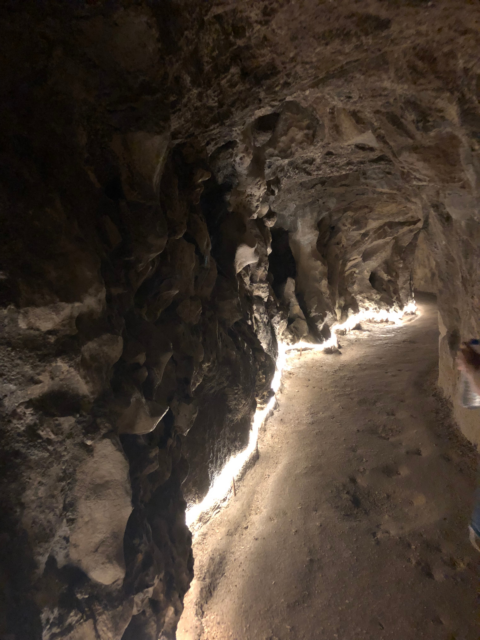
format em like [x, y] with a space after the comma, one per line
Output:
[221, 488]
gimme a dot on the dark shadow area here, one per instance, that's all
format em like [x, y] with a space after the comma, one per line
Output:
[281, 261]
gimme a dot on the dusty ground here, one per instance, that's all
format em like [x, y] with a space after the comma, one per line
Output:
[352, 524]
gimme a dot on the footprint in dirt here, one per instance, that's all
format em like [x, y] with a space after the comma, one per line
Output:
[414, 452]
[390, 470]
[355, 501]
[367, 402]
[430, 559]
[423, 566]
[385, 431]
[418, 500]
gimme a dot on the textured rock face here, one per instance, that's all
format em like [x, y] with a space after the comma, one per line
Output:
[103, 506]
[182, 185]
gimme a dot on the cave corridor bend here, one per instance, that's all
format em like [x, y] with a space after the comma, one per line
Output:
[353, 522]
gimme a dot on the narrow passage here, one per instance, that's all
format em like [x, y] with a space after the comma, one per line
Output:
[353, 522]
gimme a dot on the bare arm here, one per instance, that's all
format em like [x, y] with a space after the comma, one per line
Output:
[468, 361]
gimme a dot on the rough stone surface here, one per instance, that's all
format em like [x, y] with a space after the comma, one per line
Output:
[103, 506]
[182, 185]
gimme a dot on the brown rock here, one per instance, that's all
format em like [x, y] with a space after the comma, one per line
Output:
[102, 508]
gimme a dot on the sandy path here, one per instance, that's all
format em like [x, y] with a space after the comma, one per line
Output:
[352, 524]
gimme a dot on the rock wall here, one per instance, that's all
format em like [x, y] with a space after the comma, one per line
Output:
[119, 334]
[454, 244]
[424, 275]
[134, 305]
[181, 186]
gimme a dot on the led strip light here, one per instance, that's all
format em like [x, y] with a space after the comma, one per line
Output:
[221, 488]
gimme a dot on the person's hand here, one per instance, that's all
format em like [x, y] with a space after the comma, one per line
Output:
[468, 360]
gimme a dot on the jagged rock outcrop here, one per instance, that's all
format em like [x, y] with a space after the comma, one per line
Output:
[182, 185]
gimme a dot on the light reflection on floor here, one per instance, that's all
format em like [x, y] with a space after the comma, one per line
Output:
[223, 485]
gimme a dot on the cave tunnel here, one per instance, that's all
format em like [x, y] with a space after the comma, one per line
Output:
[240, 252]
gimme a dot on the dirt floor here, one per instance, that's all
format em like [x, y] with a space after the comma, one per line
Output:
[353, 522]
